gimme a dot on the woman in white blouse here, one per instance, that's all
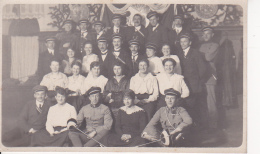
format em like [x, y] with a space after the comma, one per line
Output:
[56, 133]
[145, 86]
[74, 85]
[89, 58]
[166, 50]
[94, 79]
[53, 79]
[169, 79]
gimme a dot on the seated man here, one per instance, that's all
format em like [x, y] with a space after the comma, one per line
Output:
[173, 119]
[31, 119]
[98, 121]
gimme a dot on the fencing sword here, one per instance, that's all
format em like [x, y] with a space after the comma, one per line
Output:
[101, 145]
[117, 57]
[139, 31]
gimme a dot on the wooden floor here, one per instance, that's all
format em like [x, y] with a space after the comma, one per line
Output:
[14, 96]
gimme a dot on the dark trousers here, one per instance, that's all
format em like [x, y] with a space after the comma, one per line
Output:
[16, 138]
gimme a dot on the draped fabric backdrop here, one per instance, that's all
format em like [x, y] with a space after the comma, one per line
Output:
[25, 54]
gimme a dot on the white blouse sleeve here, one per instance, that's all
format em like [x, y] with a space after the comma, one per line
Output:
[155, 94]
[177, 68]
[185, 92]
[49, 126]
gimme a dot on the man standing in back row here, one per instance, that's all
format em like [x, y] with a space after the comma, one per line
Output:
[210, 50]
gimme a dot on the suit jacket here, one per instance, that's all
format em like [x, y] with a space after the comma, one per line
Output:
[174, 39]
[95, 45]
[105, 66]
[30, 117]
[44, 62]
[193, 69]
[125, 56]
[135, 67]
[158, 36]
[80, 42]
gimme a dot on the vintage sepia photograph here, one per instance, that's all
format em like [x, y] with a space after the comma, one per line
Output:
[159, 76]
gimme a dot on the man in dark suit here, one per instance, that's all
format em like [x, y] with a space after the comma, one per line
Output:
[117, 29]
[67, 38]
[137, 32]
[103, 55]
[156, 32]
[175, 32]
[46, 57]
[136, 56]
[98, 32]
[83, 35]
[194, 70]
[32, 119]
[119, 54]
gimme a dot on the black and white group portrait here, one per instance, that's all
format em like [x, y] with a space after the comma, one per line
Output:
[122, 75]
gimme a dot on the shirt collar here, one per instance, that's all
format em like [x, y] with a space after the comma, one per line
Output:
[186, 51]
[104, 52]
[117, 49]
[138, 28]
[39, 103]
[51, 51]
[115, 28]
[155, 26]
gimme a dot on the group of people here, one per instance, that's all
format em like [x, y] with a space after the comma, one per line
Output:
[121, 86]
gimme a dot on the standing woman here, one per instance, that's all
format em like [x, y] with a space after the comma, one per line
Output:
[67, 63]
[115, 87]
[169, 79]
[88, 58]
[166, 50]
[145, 86]
[74, 86]
[130, 123]
[56, 132]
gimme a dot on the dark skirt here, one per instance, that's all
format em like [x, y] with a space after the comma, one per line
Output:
[114, 140]
[43, 138]
[149, 108]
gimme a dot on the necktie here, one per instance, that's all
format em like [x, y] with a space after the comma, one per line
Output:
[39, 109]
[133, 60]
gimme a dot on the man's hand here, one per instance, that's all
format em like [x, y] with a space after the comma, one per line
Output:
[32, 131]
[126, 137]
[92, 134]
[149, 137]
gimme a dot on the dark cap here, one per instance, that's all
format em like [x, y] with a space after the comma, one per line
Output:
[133, 42]
[102, 39]
[207, 29]
[50, 39]
[83, 21]
[117, 36]
[93, 90]
[116, 16]
[68, 22]
[172, 92]
[185, 35]
[99, 23]
[39, 88]
[151, 46]
[129, 93]
[178, 17]
[152, 13]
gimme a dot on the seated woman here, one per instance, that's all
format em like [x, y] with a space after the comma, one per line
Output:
[53, 79]
[88, 58]
[67, 63]
[155, 63]
[166, 50]
[171, 118]
[114, 88]
[98, 121]
[56, 132]
[130, 123]
[145, 86]
[169, 79]
[74, 86]
[94, 79]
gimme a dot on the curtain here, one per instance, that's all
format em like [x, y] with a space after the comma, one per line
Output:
[25, 54]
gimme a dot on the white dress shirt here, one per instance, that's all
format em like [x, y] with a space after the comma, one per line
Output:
[138, 28]
[147, 84]
[186, 51]
[155, 65]
[51, 80]
[58, 115]
[175, 81]
[51, 51]
[116, 29]
[178, 29]
[104, 55]
[39, 104]
[90, 81]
